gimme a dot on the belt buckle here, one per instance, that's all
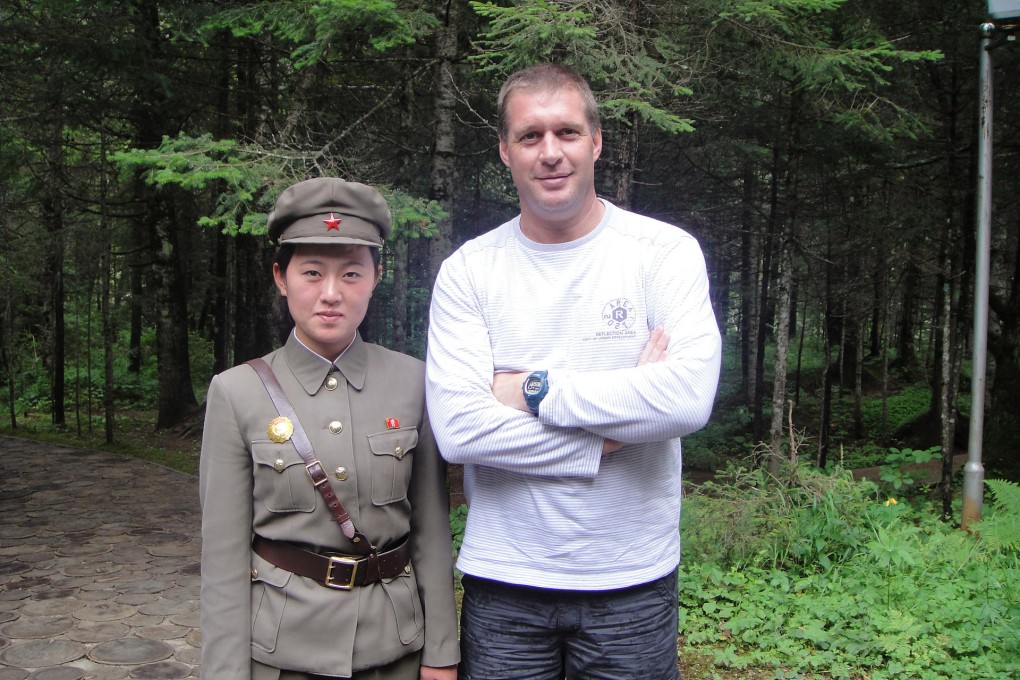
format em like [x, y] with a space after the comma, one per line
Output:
[316, 474]
[333, 559]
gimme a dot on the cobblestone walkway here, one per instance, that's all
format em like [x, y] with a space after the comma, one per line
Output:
[99, 566]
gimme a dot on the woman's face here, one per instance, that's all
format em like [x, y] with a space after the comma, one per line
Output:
[327, 289]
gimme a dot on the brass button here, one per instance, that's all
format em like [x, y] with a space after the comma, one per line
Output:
[407, 568]
[399, 451]
[278, 465]
[331, 383]
[341, 473]
[336, 427]
[254, 573]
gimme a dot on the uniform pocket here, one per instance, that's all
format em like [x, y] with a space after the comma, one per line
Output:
[391, 464]
[403, 594]
[281, 481]
[268, 600]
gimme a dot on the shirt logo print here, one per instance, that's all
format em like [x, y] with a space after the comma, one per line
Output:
[618, 314]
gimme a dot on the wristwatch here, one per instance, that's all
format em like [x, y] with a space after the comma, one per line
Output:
[535, 387]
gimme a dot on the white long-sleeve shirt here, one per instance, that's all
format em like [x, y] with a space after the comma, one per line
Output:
[546, 508]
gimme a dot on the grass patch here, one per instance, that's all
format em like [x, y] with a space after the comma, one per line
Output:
[134, 436]
[814, 575]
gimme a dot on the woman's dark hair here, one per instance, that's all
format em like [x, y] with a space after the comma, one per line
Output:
[284, 321]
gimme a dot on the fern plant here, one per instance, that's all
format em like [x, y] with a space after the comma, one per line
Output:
[1001, 528]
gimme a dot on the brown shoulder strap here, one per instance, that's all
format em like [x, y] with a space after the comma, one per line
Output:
[304, 448]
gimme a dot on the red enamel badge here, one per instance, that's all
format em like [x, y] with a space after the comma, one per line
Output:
[332, 222]
[392, 424]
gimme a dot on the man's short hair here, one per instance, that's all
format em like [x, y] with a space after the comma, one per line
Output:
[546, 78]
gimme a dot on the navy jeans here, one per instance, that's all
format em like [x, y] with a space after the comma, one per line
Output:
[511, 632]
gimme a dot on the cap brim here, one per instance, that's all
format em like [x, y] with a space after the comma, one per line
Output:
[329, 241]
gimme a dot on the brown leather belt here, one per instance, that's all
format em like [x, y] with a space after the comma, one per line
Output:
[342, 572]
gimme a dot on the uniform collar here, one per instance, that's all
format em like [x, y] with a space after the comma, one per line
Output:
[311, 370]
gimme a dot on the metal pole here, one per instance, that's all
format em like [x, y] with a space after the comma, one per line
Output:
[974, 471]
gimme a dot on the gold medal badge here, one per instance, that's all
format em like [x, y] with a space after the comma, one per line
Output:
[280, 429]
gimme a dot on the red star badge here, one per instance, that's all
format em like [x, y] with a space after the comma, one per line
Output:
[332, 223]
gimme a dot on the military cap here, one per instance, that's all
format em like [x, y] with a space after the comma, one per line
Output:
[328, 210]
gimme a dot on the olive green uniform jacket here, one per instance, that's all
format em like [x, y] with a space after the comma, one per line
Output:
[388, 475]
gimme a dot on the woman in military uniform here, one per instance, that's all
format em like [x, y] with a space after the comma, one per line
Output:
[325, 527]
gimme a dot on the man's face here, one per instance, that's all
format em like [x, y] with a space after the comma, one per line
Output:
[551, 154]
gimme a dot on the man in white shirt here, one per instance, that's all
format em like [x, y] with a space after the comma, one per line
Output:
[569, 350]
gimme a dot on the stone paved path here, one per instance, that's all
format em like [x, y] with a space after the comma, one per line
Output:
[99, 566]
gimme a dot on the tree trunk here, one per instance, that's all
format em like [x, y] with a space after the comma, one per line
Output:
[800, 356]
[136, 274]
[624, 163]
[399, 311]
[947, 402]
[828, 324]
[764, 318]
[906, 355]
[858, 384]
[7, 357]
[219, 294]
[53, 216]
[1002, 438]
[784, 304]
[748, 283]
[785, 283]
[824, 426]
[176, 394]
[877, 307]
[109, 328]
[443, 162]
[257, 327]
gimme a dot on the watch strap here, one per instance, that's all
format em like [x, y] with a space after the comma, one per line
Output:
[534, 398]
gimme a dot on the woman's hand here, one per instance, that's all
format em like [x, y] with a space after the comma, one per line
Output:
[433, 673]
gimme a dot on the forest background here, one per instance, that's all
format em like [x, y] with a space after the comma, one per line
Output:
[823, 152]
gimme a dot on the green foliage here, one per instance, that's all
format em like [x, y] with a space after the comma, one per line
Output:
[413, 216]
[84, 374]
[723, 438]
[1001, 526]
[458, 522]
[638, 71]
[855, 455]
[898, 469]
[524, 33]
[905, 406]
[812, 50]
[240, 174]
[749, 518]
[842, 60]
[668, 122]
[321, 28]
[900, 594]
[247, 181]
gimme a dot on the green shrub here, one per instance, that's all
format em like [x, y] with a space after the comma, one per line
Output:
[458, 522]
[899, 595]
[724, 437]
[1001, 524]
[750, 518]
[896, 471]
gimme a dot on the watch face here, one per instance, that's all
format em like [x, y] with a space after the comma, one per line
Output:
[533, 385]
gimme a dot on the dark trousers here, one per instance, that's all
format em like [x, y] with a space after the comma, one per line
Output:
[511, 632]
